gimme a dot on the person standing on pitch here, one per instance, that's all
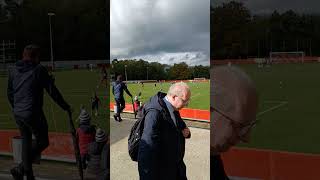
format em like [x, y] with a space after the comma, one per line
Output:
[95, 102]
[26, 83]
[104, 76]
[117, 89]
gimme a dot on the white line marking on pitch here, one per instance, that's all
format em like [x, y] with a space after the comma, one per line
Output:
[272, 108]
[196, 95]
[275, 101]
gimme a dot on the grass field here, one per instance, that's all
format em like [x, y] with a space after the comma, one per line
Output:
[200, 92]
[289, 107]
[76, 87]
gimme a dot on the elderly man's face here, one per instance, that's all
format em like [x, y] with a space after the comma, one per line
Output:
[234, 104]
[226, 132]
[180, 102]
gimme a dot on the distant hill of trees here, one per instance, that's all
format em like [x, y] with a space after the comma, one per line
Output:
[80, 27]
[237, 33]
[143, 70]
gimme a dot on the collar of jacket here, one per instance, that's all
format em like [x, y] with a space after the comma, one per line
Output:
[165, 109]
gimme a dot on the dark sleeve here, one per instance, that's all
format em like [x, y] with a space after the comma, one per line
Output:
[217, 169]
[148, 158]
[10, 88]
[105, 163]
[48, 82]
[126, 89]
[183, 125]
[90, 150]
[104, 158]
[113, 88]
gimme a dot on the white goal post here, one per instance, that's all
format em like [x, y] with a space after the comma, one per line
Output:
[199, 79]
[286, 57]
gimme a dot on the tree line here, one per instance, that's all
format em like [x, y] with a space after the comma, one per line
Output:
[144, 70]
[79, 27]
[238, 33]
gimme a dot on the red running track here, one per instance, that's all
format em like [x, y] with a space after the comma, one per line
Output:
[271, 165]
[240, 162]
[186, 113]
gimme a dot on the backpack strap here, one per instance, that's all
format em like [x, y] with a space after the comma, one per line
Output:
[146, 112]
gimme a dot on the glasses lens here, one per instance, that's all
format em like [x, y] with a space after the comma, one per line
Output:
[185, 102]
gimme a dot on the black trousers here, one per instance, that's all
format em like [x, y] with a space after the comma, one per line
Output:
[36, 125]
[217, 169]
[121, 104]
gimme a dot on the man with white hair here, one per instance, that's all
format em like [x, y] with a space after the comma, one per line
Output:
[234, 102]
[162, 145]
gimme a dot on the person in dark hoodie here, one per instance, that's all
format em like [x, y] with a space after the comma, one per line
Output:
[162, 145]
[26, 84]
[86, 134]
[95, 169]
[117, 89]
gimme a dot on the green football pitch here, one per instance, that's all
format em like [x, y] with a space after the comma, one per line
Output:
[77, 87]
[288, 116]
[200, 92]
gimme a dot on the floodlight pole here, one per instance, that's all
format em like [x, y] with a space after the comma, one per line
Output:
[125, 71]
[147, 72]
[50, 14]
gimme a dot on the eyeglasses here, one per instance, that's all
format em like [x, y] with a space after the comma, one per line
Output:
[242, 128]
[184, 102]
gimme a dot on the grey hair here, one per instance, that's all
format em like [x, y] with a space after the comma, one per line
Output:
[178, 88]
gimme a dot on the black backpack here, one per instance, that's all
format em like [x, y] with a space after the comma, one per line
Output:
[136, 134]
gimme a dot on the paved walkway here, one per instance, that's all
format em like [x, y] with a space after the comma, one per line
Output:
[46, 170]
[122, 168]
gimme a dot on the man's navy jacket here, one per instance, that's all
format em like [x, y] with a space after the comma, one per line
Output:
[26, 83]
[162, 146]
[117, 89]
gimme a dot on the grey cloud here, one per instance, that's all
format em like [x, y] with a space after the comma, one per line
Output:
[157, 27]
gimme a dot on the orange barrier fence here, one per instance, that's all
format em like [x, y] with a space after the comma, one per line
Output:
[233, 61]
[60, 148]
[186, 113]
[271, 165]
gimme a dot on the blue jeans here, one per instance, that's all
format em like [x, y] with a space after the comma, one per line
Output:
[121, 104]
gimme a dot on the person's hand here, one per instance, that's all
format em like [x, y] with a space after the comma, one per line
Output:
[69, 110]
[186, 132]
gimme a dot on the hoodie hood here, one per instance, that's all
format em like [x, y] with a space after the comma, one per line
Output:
[24, 66]
[156, 102]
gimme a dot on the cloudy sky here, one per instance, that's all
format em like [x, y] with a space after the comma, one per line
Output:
[161, 30]
[268, 6]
